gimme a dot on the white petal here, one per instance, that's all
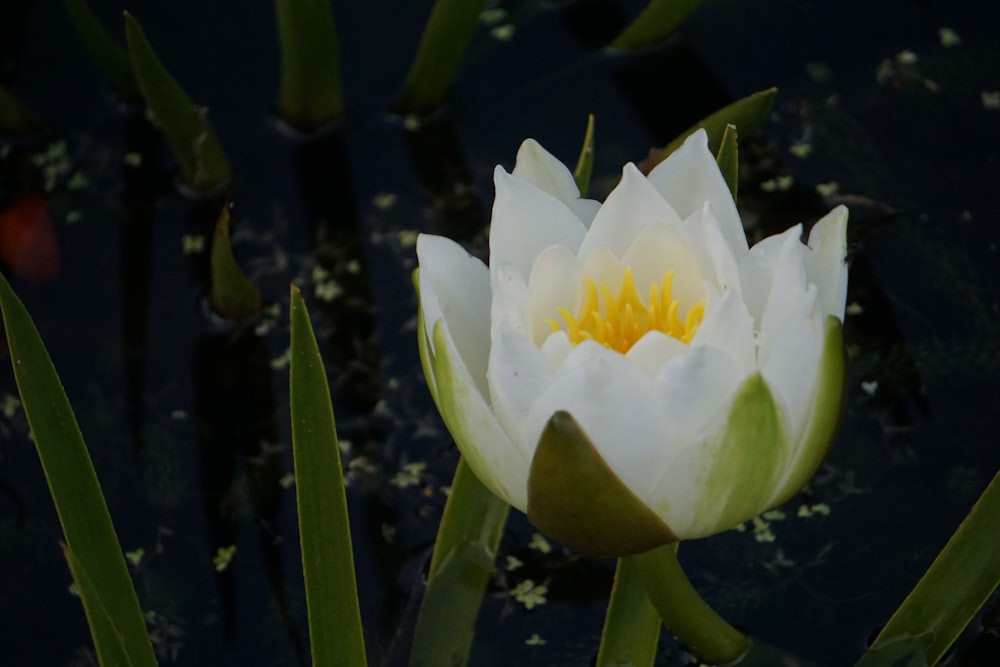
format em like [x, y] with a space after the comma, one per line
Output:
[789, 290]
[518, 374]
[455, 287]
[792, 367]
[657, 250]
[510, 297]
[586, 210]
[526, 220]
[653, 350]
[825, 266]
[539, 167]
[714, 253]
[611, 399]
[604, 268]
[689, 177]
[556, 282]
[556, 348]
[632, 205]
[729, 327]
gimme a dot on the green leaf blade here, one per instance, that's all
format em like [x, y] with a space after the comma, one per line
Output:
[233, 295]
[655, 23]
[110, 56]
[310, 96]
[746, 114]
[335, 631]
[202, 163]
[585, 163]
[115, 617]
[728, 159]
[953, 589]
[17, 120]
[448, 34]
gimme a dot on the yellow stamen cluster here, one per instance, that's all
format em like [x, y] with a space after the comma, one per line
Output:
[619, 321]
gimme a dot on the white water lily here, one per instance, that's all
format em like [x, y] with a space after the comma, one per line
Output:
[706, 376]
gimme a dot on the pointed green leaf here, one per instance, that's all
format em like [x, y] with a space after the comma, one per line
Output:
[233, 295]
[728, 158]
[657, 21]
[310, 95]
[585, 164]
[335, 632]
[109, 54]
[448, 33]
[957, 584]
[203, 165]
[464, 551]
[90, 535]
[746, 114]
[111, 649]
[632, 624]
[575, 498]
[17, 120]
[827, 411]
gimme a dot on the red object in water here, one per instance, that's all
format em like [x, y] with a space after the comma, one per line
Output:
[28, 244]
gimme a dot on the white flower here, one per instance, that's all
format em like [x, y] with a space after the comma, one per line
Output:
[632, 373]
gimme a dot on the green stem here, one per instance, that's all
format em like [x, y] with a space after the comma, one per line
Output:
[705, 633]
[632, 625]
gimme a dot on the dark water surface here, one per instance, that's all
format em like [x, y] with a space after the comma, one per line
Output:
[187, 418]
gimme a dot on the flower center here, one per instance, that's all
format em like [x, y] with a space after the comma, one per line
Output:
[619, 321]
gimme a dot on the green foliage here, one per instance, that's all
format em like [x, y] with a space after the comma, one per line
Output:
[585, 163]
[657, 21]
[202, 163]
[233, 295]
[728, 157]
[956, 585]
[335, 632]
[448, 33]
[16, 119]
[464, 551]
[109, 54]
[92, 550]
[632, 624]
[310, 95]
[746, 114]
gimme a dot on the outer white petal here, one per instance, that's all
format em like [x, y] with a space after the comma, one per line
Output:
[689, 177]
[556, 281]
[658, 249]
[455, 287]
[825, 266]
[539, 167]
[526, 220]
[510, 297]
[586, 210]
[792, 369]
[653, 350]
[518, 374]
[729, 327]
[484, 443]
[611, 400]
[556, 348]
[632, 205]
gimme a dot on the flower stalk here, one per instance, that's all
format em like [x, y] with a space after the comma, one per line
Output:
[706, 634]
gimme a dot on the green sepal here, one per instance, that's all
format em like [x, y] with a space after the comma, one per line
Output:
[202, 163]
[748, 460]
[233, 294]
[746, 114]
[424, 344]
[575, 498]
[728, 158]
[826, 414]
[585, 163]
